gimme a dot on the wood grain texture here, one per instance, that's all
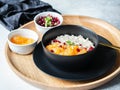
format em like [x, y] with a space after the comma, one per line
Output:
[25, 68]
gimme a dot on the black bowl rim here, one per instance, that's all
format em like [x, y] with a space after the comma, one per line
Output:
[72, 55]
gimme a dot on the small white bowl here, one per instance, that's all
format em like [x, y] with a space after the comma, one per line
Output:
[23, 49]
[43, 29]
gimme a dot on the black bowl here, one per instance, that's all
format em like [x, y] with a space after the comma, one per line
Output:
[69, 63]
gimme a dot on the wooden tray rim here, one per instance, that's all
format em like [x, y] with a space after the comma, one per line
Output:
[112, 75]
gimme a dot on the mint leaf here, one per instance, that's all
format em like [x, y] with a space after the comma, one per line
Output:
[70, 43]
[48, 20]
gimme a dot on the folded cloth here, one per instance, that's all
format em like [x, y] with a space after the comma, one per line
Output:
[14, 13]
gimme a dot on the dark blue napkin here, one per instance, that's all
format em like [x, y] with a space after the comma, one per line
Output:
[14, 13]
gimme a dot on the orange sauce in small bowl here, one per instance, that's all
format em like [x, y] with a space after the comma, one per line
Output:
[21, 40]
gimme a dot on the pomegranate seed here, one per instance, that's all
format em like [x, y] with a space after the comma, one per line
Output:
[90, 49]
[60, 46]
[56, 41]
[51, 51]
[78, 50]
[80, 44]
[64, 43]
[59, 41]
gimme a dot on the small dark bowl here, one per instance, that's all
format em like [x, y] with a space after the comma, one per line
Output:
[69, 63]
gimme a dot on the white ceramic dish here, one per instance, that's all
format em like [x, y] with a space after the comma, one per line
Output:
[23, 49]
[43, 29]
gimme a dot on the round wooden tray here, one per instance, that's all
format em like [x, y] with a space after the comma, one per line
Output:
[25, 68]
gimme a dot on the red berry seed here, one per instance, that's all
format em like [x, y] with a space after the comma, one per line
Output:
[78, 50]
[60, 46]
[80, 44]
[64, 43]
[56, 41]
[90, 49]
[51, 51]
